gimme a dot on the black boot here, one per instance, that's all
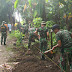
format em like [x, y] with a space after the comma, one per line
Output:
[1, 43]
[4, 43]
[43, 57]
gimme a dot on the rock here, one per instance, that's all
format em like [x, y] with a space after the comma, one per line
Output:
[14, 44]
[29, 52]
[0, 50]
[5, 68]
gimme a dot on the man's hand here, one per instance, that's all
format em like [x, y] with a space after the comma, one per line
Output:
[58, 45]
[71, 35]
[48, 36]
[53, 47]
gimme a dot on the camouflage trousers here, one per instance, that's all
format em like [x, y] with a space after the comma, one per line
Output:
[43, 46]
[3, 35]
[32, 38]
[66, 58]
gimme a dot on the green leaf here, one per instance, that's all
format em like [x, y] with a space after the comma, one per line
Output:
[30, 2]
[35, 13]
[37, 21]
[46, 1]
[69, 13]
[16, 3]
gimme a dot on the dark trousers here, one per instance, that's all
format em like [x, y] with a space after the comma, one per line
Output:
[3, 36]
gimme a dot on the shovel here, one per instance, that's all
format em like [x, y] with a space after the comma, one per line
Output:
[51, 51]
[48, 51]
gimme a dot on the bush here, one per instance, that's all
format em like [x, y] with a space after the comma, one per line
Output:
[50, 24]
[12, 34]
[53, 40]
[18, 35]
[37, 22]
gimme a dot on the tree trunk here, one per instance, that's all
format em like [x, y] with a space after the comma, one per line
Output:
[67, 22]
[43, 12]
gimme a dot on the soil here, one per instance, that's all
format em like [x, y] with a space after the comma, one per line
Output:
[4, 54]
[27, 62]
[32, 62]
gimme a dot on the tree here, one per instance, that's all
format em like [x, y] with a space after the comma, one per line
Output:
[58, 11]
[6, 11]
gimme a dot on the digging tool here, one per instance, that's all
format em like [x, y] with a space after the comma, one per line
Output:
[47, 51]
[51, 51]
[51, 39]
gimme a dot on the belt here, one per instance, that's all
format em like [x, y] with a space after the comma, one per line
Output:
[3, 32]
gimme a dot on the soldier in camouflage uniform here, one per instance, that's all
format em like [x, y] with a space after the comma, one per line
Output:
[64, 40]
[3, 33]
[43, 36]
[32, 37]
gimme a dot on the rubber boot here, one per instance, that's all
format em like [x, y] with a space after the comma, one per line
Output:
[43, 57]
[4, 43]
[1, 43]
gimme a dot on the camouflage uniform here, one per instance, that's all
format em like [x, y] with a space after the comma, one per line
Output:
[32, 37]
[43, 39]
[25, 29]
[3, 33]
[66, 46]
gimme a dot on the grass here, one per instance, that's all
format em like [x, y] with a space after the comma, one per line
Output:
[9, 48]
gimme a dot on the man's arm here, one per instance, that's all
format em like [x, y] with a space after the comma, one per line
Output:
[58, 45]
[71, 35]
[48, 35]
[36, 33]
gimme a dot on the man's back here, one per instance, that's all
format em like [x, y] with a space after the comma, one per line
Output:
[3, 28]
[65, 38]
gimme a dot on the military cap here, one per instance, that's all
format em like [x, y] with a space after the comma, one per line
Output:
[55, 26]
[43, 23]
[3, 22]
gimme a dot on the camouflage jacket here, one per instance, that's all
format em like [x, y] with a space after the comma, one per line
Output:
[31, 31]
[64, 36]
[43, 32]
[3, 28]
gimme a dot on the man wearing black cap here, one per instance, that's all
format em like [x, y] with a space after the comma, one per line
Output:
[64, 41]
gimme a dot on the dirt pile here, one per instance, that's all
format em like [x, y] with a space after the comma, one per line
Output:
[33, 64]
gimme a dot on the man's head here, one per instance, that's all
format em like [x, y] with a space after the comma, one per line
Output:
[43, 24]
[56, 28]
[3, 22]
